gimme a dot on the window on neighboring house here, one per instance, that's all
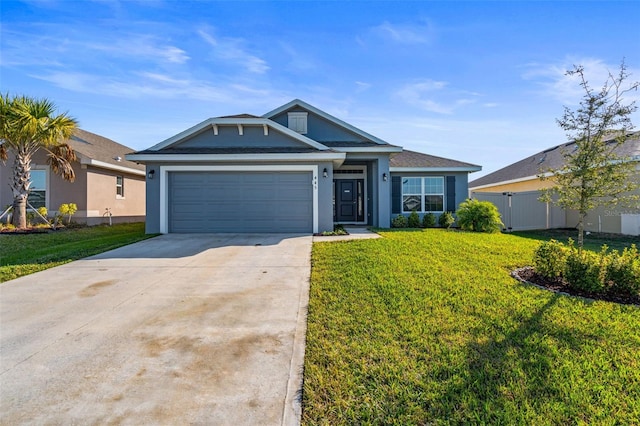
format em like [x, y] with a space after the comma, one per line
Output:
[119, 186]
[38, 189]
[298, 122]
[423, 194]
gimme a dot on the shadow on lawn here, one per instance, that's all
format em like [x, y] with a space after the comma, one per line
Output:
[511, 373]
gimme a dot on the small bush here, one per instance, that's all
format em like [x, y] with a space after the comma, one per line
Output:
[414, 220]
[399, 222]
[428, 220]
[623, 272]
[479, 216]
[67, 209]
[550, 258]
[446, 219]
[586, 270]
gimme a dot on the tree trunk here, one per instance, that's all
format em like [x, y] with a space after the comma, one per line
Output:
[20, 186]
[581, 231]
[19, 217]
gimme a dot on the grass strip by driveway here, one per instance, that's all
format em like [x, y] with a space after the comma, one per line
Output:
[24, 254]
[428, 327]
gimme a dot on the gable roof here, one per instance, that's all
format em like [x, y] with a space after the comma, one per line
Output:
[98, 151]
[551, 158]
[326, 116]
[241, 120]
[407, 161]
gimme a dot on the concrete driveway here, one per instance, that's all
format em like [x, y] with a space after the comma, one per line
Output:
[178, 329]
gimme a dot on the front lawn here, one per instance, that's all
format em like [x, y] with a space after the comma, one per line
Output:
[24, 254]
[428, 327]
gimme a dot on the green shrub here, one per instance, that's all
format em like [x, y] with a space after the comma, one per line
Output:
[446, 219]
[414, 220]
[479, 216]
[399, 222]
[550, 258]
[586, 270]
[428, 220]
[623, 272]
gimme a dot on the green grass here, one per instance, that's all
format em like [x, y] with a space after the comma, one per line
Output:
[23, 254]
[428, 327]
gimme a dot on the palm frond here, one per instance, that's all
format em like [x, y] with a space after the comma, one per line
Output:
[60, 158]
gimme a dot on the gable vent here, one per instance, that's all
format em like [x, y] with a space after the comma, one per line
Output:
[298, 122]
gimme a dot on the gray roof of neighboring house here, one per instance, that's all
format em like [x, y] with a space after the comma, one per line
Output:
[89, 146]
[551, 158]
[412, 159]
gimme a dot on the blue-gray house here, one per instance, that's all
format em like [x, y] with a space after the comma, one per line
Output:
[295, 169]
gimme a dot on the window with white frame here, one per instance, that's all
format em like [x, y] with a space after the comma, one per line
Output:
[38, 189]
[119, 186]
[298, 122]
[423, 194]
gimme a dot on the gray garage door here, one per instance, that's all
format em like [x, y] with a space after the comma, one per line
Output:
[240, 202]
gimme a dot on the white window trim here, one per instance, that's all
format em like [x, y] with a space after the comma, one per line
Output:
[47, 183]
[423, 194]
[164, 184]
[119, 196]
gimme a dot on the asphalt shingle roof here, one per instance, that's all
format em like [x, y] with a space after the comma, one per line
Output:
[99, 148]
[551, 158]
[408, 158]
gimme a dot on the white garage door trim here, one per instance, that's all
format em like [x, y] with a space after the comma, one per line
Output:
[164, 184]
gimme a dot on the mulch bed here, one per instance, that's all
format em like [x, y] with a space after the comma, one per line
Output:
[529, 275]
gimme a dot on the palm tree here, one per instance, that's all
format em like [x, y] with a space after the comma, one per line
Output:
[26, 126]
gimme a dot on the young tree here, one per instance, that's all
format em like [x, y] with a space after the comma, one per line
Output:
[594, 174]
[26, 126]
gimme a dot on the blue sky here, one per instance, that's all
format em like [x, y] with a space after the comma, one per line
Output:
[481, 82]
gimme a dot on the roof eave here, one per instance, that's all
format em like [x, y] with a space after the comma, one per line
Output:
[469, 169]
[188, 158]
[103, 165]
[372, 149]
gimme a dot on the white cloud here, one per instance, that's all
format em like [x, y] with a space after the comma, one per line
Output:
[140, 85]
[405, 33]
[361, 86]
[300, 61]
[427, 95]
[64, 48]
[556, 84]
[231, 49]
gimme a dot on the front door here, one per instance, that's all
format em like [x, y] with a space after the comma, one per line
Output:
[349, 196]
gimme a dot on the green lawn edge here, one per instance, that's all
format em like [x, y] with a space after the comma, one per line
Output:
[26, 254]
[427, 327]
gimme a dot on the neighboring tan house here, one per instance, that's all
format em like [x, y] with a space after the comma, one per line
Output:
[106, 184]
[515, 190]
[295, 169]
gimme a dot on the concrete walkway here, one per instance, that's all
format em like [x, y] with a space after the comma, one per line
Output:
[355, 233]
[178, 329]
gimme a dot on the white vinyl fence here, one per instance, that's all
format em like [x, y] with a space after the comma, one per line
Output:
[522, 211]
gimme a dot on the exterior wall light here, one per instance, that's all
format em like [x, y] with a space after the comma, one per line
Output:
[150, 174]
[385, 177]
[325, 173]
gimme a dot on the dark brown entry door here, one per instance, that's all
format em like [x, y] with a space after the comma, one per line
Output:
[349, 200]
